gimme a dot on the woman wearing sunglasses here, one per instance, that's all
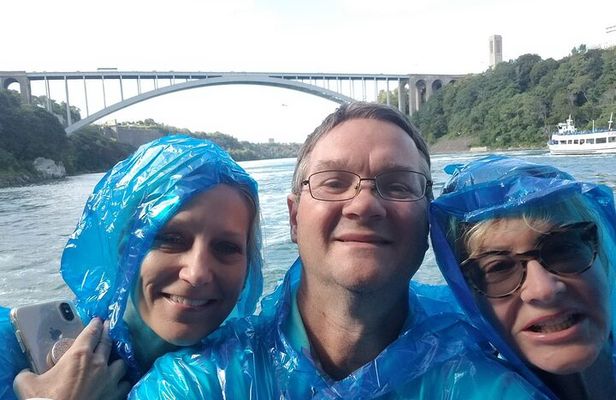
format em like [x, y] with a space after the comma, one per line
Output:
[529, 252]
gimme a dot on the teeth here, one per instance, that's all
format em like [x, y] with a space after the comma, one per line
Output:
[560, 324]
[187, 301]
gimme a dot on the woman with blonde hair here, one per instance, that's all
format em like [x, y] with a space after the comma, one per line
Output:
[529, 252]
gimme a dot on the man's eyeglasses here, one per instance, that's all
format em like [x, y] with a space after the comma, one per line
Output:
[335, 185]
[568, 250]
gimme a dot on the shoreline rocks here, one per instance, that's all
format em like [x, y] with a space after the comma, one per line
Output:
[23, 179]
[49, 168]
[45, 170]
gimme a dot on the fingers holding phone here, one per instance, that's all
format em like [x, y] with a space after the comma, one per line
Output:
[57, 350]
[38, 328]
[82, 372]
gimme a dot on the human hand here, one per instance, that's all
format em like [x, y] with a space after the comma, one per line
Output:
[81, 373]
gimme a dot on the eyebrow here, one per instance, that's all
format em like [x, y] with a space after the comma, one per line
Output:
[179, 227]
[184, 224]
[493, 253]
[343, 165]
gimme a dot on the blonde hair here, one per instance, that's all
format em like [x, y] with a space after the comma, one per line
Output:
[465, 237]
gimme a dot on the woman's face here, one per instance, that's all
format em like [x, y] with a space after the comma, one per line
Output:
[558, 324]
[192, 276]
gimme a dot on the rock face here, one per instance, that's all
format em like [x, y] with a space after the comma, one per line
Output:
[451, 145]
[49, 168]
[135, 136]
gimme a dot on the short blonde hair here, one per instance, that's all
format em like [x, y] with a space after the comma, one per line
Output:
[466, 237]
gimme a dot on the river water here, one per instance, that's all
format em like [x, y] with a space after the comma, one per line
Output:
[36, 221]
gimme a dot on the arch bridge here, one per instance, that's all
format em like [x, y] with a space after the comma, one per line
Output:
[413, 89]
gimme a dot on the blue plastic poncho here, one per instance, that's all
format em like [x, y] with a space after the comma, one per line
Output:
[497, 186]
[101, 260]
[122, 216]
[435, 357]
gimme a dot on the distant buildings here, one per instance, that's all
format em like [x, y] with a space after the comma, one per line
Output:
[496, 50]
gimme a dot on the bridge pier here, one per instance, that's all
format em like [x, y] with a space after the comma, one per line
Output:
[10, 77]
[422, 87]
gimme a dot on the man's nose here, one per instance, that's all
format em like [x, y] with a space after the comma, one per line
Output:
[196, 265]
[540, 285]
[367, 203]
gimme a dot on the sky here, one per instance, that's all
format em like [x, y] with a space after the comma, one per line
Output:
[335, 36]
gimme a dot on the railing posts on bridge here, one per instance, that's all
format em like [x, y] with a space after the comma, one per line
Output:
[69, 120]
[85, 92]
[402, 97]
[47, 95]
[104, 96]
[387, 91]
[363, 89]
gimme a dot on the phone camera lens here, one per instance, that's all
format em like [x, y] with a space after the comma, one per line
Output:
[67, 313]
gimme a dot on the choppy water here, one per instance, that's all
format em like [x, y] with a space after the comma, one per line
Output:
[35, 222]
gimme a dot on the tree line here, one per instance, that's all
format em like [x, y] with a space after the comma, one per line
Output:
[239, 150]
[29, 131]
[519, 103]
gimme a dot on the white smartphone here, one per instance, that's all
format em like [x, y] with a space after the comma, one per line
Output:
[39, 327]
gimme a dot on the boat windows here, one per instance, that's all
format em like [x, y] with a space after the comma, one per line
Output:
[563, 142]
[576, 141]
[612, 139]
[591, 141]
[569, 141]
[601, 140]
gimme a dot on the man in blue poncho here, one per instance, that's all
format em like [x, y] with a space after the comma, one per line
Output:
[344, 324]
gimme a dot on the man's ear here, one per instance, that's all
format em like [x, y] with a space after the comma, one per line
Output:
[292, 204]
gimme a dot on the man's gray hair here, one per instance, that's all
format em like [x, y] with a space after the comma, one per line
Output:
[350, 111]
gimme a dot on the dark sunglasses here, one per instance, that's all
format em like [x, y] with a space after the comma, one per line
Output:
[567, 250]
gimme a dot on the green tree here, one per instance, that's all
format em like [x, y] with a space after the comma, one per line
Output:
[57, 109]
[28, 132]
[518, 103]
[394, 98]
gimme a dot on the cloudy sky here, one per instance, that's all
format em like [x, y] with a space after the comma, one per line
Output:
[344, 36]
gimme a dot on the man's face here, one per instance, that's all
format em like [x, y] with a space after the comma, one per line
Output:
[365, 244]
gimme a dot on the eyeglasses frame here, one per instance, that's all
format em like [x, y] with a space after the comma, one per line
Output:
[536, 255]
[428, 185]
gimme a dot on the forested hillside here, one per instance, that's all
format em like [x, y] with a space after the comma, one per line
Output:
[29, 131]
[239, 150]
[519, 103]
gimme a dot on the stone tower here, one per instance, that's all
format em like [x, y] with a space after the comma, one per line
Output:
[496, 50]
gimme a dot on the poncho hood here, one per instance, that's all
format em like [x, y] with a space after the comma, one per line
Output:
[497, 186]
[127, 208]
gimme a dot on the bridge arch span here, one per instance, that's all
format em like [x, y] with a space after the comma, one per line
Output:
[8, 82]
[225, 80]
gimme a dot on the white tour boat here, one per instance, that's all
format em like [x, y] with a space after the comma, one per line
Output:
[569, 140]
